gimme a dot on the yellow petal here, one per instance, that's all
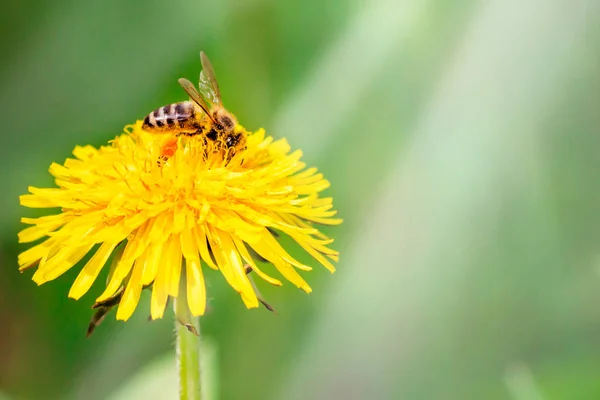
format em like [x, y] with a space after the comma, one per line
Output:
[325, 221]
[34, 201]
[246, 256]
[282, 266]
[137, 245]
[196, 290]
[43, 226]
[268, 241]
[131, 296]
[122, 270]
[31, 256]
[61, 263]
[201, 241]
[90, 272]
[172, 263]
[134, 248]
[189, 246]
[315, 254]
[230, 264]
[160, 293]
[153, 261]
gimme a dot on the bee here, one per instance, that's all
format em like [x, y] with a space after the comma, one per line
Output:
[203, 115]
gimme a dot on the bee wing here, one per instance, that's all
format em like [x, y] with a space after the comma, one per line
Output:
[208, 82]
[194, 95]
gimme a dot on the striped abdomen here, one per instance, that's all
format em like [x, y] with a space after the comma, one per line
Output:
[177, 116]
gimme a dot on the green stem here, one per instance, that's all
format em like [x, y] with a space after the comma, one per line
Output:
[188, 347]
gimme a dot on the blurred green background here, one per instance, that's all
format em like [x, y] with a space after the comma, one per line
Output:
[462, 140]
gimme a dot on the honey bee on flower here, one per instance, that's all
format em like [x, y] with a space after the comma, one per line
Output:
[203, 116]
[218, 198]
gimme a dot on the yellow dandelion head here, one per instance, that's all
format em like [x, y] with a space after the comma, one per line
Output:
[202, 206]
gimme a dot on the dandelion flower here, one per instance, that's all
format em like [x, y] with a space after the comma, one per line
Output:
[168, 221]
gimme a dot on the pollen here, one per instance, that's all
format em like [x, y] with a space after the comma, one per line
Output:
[161, 222]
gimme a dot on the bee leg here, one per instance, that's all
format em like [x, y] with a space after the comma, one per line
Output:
[166, 306]
[248, 269]
[204, 147]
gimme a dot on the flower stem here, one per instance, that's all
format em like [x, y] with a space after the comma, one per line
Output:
[188, 347]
